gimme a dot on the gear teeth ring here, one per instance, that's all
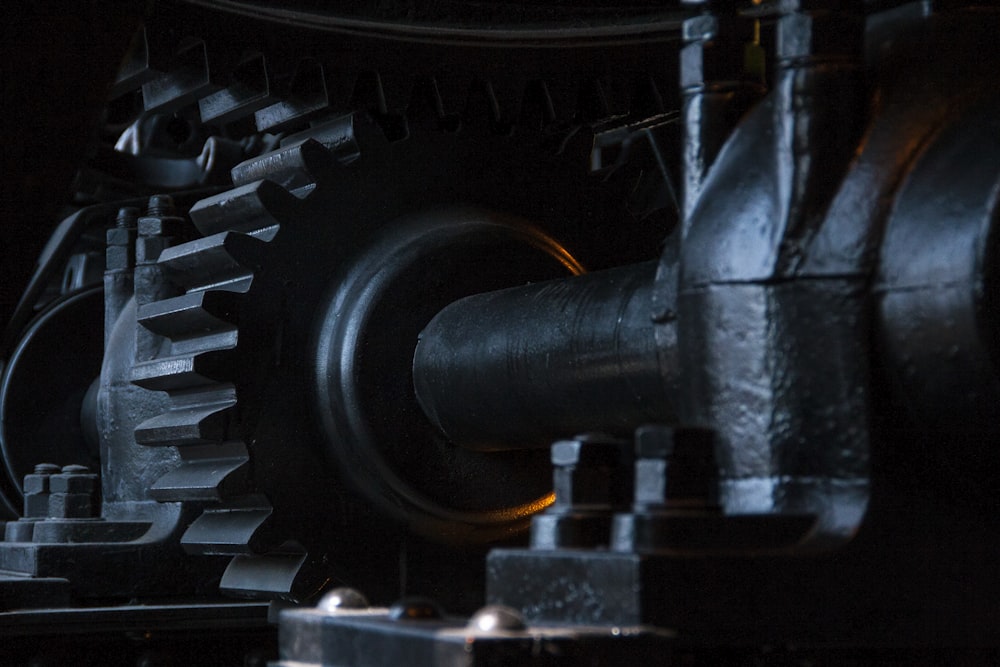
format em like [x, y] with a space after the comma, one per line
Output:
[199, 332]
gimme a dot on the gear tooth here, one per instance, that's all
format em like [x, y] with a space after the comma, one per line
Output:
[287, 575]
[563, 95]
[425, 105]
[339, 84]
[223, 261]
[610, 149]
[537, 110]
[249, 207]
[656, 188]
[454, 91]
[249, 90]
[653, 193]
[396, 89]
[646, 98]
[208, 474]
[187, 80]
[591, 105]
[481, 106]
[306, 97]
[508, 93]
[151, 55]
[195, 313]
[337, 135]
[367, 93]
[181, 372]
[138, 67]
[291, 166]
[602, 98]
[578, 145]
[230, 531]
[617, 94]
[198, 419]
[369, 136]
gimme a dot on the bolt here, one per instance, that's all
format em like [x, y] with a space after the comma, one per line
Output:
[675, 466]
[497, 618]
[591, 480]
[415, 609]
[119, 256]
[587, 472]
[160, 206]
[342, 599]
[654, 446]
[675, 477]
[72, 493]
[127, 216]
[160, 224]
[36, 490]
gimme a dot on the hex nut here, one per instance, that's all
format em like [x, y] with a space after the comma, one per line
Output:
[70, 506]
[587, 471]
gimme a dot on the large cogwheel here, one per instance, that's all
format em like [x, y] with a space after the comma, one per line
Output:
[285, 336]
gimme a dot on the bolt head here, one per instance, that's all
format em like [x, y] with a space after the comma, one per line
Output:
[160, 205]
[343, 599]
[588, 471]
[588, 450]
[73, 483]
[35, 484]
[497, 618]
[699, 28]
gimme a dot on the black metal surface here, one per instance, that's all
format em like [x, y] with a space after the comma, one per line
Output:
[71, 55]
[525, 366]
[43, 387]
[362, 361]
[938, 309]
[216, 633]
[380, 637]
[232, 327]
[718, 86]
[778, 366]
[816, 342]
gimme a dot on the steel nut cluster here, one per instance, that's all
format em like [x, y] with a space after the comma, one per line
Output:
[37, 490]
[591, 480]
[72, 493]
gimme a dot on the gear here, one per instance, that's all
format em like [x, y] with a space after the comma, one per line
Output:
[236, 333]
[449, 158]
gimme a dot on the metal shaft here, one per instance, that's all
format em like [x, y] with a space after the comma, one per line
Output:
[520, 367]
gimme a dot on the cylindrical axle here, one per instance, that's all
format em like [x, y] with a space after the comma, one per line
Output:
[521, 367]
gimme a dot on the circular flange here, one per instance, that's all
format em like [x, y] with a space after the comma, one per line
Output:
[374, 428]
